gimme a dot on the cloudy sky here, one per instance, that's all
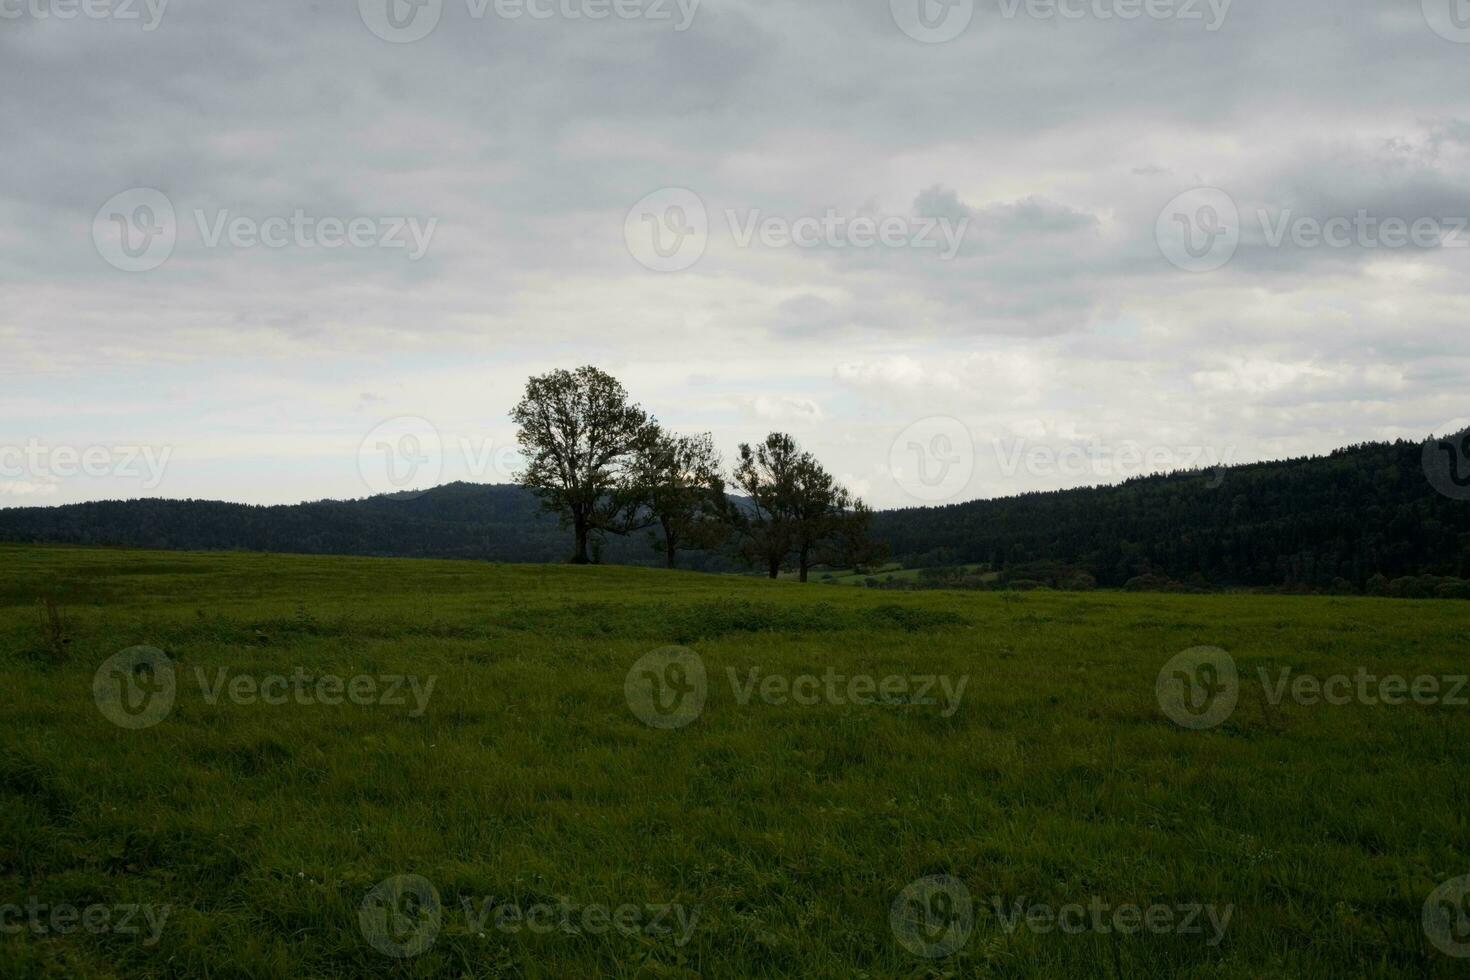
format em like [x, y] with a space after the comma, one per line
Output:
[289, 250]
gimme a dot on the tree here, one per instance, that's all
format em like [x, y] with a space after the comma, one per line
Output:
[796, 509]
[853, 545]
[766, 475]
[679, 484]
[581, 438]
[820, 511]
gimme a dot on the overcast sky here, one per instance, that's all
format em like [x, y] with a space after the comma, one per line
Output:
[958, 251]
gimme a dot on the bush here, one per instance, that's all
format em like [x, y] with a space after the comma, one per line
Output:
[1452, 588]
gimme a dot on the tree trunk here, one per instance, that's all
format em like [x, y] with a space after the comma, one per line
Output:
[775, 566]
[581, 557]
[804, 563]
[669, 550]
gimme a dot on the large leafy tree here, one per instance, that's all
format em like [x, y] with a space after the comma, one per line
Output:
[679, 485]
[581, 437]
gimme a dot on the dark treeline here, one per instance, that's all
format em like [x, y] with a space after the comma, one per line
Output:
[1352, 521]
[458, 520]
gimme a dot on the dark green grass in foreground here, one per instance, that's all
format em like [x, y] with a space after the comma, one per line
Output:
[789, 830]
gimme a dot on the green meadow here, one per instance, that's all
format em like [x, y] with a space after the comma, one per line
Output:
[343, 767]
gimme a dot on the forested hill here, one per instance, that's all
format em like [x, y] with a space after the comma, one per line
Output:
[1321, 523]
[457, 520]
[1362, 511]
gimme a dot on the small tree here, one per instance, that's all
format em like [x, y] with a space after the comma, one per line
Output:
[581, 437]
[680, 486]
[766, 475]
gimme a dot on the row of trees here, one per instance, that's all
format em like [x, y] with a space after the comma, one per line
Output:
[605, 466]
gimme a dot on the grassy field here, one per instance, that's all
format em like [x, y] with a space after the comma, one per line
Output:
[490, 761]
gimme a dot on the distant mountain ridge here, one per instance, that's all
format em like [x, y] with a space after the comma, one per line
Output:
[1320, 522]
